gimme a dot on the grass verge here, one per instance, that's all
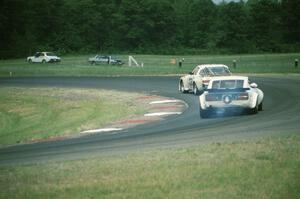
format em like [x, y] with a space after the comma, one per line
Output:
[153, 65]
[28, 114]
[263, 168]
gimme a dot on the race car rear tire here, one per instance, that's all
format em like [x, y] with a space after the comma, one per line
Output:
[260, 106]
[254, 110]
[204, 113]
[195, 89]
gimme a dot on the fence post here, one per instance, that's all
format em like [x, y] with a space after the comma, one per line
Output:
[234, 63]
[296, 63]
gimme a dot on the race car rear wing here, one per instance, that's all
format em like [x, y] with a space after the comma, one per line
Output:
[226, 90]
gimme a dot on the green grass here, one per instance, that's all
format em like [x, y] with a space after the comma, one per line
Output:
[263, 168]
[153, 65]
[39, 113]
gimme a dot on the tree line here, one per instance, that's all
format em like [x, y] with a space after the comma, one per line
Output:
[148, 26]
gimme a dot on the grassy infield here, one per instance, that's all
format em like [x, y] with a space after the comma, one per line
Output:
[28, 114]
[267, 168]
[153, 65]
[262, 168]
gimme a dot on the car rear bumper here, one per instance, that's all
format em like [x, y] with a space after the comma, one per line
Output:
[234, 106]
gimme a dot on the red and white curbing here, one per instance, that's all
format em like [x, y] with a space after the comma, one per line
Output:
[163, 113]
[141, 121]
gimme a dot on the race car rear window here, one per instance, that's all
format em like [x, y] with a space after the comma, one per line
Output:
[227, 84]
[220, 71]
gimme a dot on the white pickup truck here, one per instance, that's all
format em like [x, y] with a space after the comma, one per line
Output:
[43, 57]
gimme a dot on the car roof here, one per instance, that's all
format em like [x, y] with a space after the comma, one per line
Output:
[201, 66]
[217, 78]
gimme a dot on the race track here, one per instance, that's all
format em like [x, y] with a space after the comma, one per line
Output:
[281, 115]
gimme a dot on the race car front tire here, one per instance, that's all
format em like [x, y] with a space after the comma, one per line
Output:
[181, 87]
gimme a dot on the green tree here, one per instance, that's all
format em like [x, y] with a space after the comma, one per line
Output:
[265, 24]
[12, 28]
[146, 24]
[290, 17]
[232, 30]
[200, 26]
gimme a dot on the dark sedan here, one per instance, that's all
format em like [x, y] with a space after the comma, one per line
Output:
[103, 59]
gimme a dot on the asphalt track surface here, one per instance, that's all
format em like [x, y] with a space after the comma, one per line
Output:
[281, 116]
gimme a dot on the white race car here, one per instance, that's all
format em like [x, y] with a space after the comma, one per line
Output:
[232, 93]
[199, 78]
[43, 57]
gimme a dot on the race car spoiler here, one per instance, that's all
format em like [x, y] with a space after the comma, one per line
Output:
[227, 90]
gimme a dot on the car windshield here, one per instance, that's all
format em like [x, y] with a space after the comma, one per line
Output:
[219, 71]
[227, 84]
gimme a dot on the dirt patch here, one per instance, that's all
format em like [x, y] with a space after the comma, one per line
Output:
[56, 138]
[134, 121]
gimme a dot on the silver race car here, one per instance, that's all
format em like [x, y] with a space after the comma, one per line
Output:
[231, 93]
[198, 79]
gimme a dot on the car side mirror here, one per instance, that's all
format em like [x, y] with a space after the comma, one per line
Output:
[253, 85]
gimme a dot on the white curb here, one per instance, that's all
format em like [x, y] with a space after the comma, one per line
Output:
[162, 113]
[102, 130]
[164, 101]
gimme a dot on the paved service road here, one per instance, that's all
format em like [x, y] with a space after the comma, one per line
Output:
[281, 115]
